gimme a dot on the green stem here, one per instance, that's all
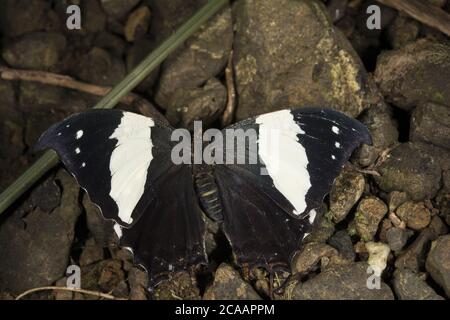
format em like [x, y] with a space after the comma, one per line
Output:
[50, 159]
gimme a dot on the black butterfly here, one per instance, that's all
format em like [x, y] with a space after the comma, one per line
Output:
[123, 160]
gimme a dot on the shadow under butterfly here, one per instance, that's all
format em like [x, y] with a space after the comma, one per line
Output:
[123, 160]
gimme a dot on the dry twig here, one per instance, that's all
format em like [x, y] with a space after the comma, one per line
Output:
[58, 80]
[228, 114]
[425, 13]
[82, 291]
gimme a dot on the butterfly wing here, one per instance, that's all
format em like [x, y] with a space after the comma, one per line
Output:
[269, 206]
[257, 227]
[123, 161]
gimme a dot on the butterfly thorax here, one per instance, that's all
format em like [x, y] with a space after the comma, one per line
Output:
[208, 191]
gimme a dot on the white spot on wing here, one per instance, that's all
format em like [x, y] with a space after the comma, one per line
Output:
[77, 150]
[335, 129]
[284, 156]
[312, 216]
[129, 162]
[79, 134]
[83, 165]
[333, 157]
[337, 144]
[118, 230]
[305, 235]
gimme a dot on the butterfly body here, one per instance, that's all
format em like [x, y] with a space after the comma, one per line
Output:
[208, 192]
[262, 178]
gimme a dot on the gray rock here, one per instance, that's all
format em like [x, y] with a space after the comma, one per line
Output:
[167, 16]
[446, 181]
[408, 169]
[181, 286]
[342, 282]
[205, 104]
[311, 254]
[440, 155]
[23, 16]
[203, 58]
[118, 8]
[112, 43]
[36, 246]
[413, 258]
[409, 286]
[33, 95]
[91, 253]
[396, 198]
[121, 290]
[228, 285]
[397, 238]
[386, 224]
[437, 226]
[383, 129]
[94, 18]
[7, 95]
[138, 280]
[343, 243]
[431, 123]
[104, 275]
[369, 214]
[438, 262]
[111, 275]
[407, 77]
[415, 214]
[99, 67]
[47, 195]
[288, 54]
[137, 23]
[100, 228]
[403, 31]
[37, 50]
[345, 193]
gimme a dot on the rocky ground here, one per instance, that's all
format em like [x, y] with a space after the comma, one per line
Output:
[394, 215]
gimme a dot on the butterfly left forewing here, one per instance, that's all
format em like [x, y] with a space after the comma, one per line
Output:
[123, 160]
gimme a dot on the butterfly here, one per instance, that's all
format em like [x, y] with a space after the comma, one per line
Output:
[266, 208]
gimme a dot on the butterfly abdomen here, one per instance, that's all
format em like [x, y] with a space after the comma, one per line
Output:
[208, 192]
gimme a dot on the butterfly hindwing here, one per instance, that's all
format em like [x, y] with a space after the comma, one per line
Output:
[260, 232]
[123, 161]
[169, 237]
